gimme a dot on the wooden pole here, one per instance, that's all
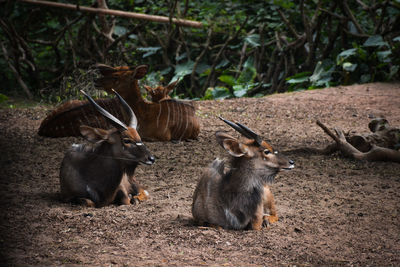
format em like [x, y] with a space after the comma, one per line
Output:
[162, 19]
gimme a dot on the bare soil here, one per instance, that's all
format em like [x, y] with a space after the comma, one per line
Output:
[333, 210]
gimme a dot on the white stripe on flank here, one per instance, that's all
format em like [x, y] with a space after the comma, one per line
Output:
[187, 122]
[167, 124]
[178, 120]
[159, 114]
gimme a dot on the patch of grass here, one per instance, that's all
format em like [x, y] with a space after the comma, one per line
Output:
[11, 102]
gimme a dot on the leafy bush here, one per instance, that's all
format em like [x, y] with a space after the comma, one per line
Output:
[244, 48]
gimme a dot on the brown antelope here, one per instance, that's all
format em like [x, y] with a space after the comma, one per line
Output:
[67, 118]
[102, 174]
[239, 198]
[164, 121]
[160, 92]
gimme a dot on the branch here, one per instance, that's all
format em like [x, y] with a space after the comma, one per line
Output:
[199, 57]
[162, 19]
[17, 75]
[376, 153]
[352, 18]
[288, 24]
[228, 40]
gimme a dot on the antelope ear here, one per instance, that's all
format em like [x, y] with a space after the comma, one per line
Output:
[172, 85]
[95, 135]
[105, 70]
[140, 71]
[232, 145]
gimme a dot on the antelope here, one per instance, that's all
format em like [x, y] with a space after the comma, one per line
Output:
[102, 174]
[239, 198]
[160, 92]
[164, 121]
[67, 118]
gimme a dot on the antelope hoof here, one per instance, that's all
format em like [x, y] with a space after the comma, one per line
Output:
[142, 196]
[269, 219]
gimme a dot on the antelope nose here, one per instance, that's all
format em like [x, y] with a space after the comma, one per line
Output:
[151, 159]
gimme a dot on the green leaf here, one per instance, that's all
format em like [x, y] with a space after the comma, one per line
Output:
[365, 78]
[253, 40]
[222, 64]
[322, 74]
[375, 40]
[221, 93]
[239, 90]
[345, 54]
[181, 70]
[228, 79]
[119, 30]
[383, 56]
[394, 70]
[149, 50]
[348, 66]
[247, 75]
[298, 80]
[3, 98]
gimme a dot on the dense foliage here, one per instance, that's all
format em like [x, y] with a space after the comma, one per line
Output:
[246, 48]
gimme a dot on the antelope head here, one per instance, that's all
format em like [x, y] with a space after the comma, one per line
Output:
[121, 79]
[252, 150]
[125, 140]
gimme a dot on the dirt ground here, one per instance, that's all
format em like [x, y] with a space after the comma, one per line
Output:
[333, 210]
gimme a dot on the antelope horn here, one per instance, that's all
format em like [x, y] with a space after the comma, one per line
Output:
[243, 130]
[133, 120]
[253, 135]
[105, 113]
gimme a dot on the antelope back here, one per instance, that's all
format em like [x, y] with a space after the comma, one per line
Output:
[67, 118]
[168, 120]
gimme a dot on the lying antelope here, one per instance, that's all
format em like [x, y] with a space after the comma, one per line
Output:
[102, 174]
[160, 93]
[67, 118]
[164, 121]
[239, 198]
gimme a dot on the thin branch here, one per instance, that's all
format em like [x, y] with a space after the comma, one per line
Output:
[17, 75]
[288, 24]
[352, 18]
[162, 19]
[199, 57]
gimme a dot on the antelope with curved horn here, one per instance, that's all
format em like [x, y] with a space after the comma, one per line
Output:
[102, 174]
[239, 198]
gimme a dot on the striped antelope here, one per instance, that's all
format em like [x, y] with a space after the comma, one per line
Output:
[239, 198]
[103, 174]
[67, 118]
[164, 121]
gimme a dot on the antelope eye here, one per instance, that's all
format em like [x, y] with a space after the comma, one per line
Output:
[266, 151]
[127, 141]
